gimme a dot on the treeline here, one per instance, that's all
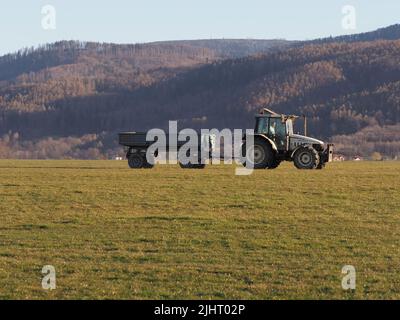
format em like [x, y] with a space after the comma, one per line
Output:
[374, 142]
[65, 52]
[90, 146]
[387, 33]
[236, 48]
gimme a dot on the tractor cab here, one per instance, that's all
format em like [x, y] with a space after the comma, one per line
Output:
[276, 127]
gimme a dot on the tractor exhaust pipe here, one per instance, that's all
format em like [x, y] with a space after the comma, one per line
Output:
[305, 125]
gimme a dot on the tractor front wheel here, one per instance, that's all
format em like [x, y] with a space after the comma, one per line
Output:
[306, 158]
[321, 166]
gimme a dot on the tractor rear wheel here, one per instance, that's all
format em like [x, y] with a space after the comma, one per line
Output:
[275, 164]
[306, 158]
[259, 156]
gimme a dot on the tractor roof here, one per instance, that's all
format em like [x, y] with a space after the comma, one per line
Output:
[267, 113]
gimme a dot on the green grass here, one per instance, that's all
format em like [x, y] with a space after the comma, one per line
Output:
[169, 233]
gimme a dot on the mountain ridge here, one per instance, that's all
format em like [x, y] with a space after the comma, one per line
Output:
[91, 90]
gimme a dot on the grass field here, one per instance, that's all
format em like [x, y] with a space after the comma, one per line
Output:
[168, 233]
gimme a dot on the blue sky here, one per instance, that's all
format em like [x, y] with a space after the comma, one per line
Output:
[132, 21]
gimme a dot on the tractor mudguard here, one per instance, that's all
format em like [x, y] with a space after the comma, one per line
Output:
[265, 138]
[299, 147]
[326, 155]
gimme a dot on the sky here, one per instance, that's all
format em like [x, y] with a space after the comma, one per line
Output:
[23, 24]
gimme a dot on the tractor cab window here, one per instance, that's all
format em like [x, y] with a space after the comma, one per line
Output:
[277, 132]
[262, 126]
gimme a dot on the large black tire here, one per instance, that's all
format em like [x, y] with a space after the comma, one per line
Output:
[264, 156]
[321, 165]
[306, 158]
[147, 164]
[185, 166]
[192, 166]
[136, 161]
[275, 164]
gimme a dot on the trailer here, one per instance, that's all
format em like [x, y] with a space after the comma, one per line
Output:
[137, 145]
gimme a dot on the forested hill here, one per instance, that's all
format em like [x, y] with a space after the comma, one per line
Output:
[70, 99]
[233, 48]
[31, 79]
[388, 33]
[172, 54]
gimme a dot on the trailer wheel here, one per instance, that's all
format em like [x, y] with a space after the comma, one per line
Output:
[306, 158]
[136, 161]
[199, 166]
[147, 164]
[185, 166]
[192, 166]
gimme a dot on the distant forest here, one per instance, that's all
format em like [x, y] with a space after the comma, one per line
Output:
[70, 99]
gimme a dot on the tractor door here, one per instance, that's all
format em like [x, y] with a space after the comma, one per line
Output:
[277, 132]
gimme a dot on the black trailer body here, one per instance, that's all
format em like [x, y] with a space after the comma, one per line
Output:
[136, 146]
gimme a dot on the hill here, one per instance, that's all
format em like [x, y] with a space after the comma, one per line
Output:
[70, 98]
[387, 33]
[32, 78]
[234, 48]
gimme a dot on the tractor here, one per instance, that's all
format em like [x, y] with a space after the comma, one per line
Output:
[275, 141]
